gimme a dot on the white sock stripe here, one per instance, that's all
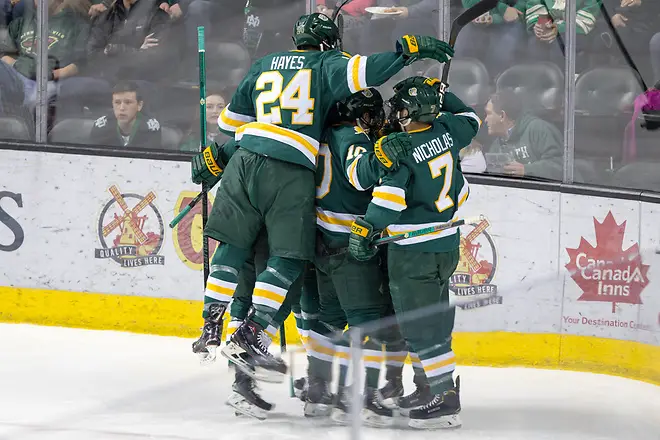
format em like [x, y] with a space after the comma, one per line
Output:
[436, 359]
[217, 296]
[221, 283]
[442, 370]
[266, 302]
[270, 288]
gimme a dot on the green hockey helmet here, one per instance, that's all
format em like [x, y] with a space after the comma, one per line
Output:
[365, 107]
[420, 100]
[317, 30]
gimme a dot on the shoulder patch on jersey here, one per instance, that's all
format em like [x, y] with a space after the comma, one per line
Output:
[358, 130]
[153, 124]
[346, 54]
[101, 122]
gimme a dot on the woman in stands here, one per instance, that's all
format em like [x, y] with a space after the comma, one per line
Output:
[215, 102]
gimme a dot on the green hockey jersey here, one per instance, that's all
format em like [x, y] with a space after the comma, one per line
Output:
[346, 173]
[429, 187]
[587, 11]
[280, 107]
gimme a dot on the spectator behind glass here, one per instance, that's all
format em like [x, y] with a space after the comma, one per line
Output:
[496, 37]
[525, 145]
[355, 17]
[9, 10]
[546, 20]
[635, 21]
[215, 102]
[133, 40]
[127, 126]
[67, 32]
[418, 17]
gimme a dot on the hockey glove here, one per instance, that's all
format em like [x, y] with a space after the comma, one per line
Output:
[207, 167]
[391, 149]
[359, 242]
[416, 47]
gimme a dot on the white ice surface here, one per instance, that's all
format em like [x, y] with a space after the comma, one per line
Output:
[68, 384]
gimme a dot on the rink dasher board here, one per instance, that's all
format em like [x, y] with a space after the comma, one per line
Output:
[74, 253]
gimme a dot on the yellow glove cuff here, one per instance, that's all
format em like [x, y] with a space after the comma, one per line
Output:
[413, 47]
[359, 230]
[211, 164]
[380, 155]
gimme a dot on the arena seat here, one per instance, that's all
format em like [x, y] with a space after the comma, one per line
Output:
[540, 85]
[72, 131]
[171, 138]
[603, 107]
[14, 128]
[468, 79]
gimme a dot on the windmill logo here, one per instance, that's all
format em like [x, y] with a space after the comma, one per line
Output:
[476, 268]
[130, 230]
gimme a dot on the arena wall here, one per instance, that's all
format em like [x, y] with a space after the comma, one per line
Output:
[554, 279]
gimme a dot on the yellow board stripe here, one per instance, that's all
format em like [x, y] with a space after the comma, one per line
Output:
[182, 318]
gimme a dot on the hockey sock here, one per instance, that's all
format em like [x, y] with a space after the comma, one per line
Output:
[222, 282]
[343, 354]
[320, 352]
[272, 286]
[373, 358]
[395, 358]
[419, 378]
[232, 326]
[439, 364]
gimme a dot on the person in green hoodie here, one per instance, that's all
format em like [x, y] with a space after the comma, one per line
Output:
[534, 147]
[68, 29]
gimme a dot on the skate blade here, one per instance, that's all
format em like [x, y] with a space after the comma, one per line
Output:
[242, 406]
[340, 417]
[233, 353]
[209, 357]
[317, 409]
[370, 418]
[452, 421]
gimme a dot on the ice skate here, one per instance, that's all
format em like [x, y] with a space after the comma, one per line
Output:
[207, 344]
[374, 413]
[245, 400]
[300, 388]
[442, 412]
[391, 392]
[418, 398]
[341, 411]
[251, 340]
[319, 400]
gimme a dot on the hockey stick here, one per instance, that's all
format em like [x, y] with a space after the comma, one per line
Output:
[441, 227]
[456, 26]
[187, 209]
[201, 51]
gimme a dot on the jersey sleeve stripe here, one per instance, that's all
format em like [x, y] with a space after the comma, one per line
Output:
[230, 121]
[471, 115]
[353, 175]
[356, 73]
[304, 144]
[464, 194]
[389, 197]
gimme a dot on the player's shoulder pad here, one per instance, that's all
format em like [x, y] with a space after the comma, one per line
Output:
[352, 135]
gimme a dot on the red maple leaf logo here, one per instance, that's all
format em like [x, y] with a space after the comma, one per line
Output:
[607, 272]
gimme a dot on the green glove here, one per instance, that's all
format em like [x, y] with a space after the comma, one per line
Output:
[417, 47]
[392, 148]
[359, 242]
[207, 167]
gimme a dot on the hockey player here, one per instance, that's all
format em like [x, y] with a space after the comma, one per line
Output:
[277, 115]
[349, 290]
[427, 189]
